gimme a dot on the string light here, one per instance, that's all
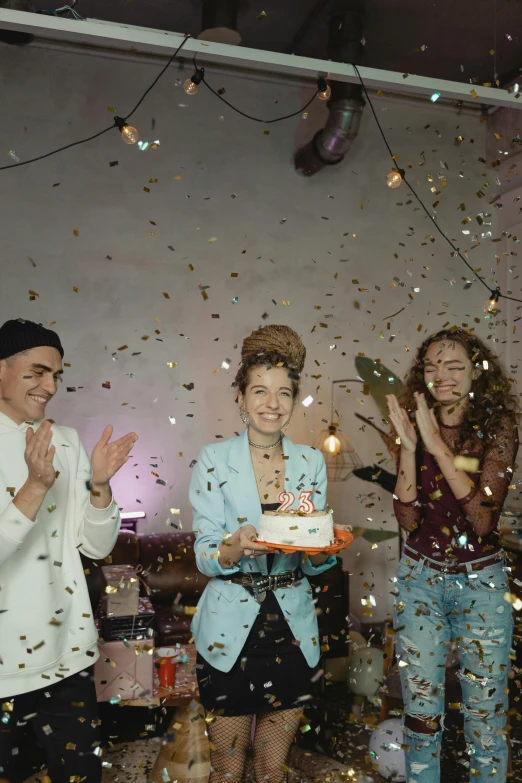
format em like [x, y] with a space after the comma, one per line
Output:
[129, 133]
[494, 294]
[332, 444]
[491, 304]
[394, 178]
[191, 86]
[324, 90]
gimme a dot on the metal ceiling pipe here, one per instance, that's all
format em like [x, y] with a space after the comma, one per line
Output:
[330, 145]
[219, 22]
[16, 37]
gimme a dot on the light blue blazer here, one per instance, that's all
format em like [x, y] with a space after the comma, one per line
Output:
[223, 491]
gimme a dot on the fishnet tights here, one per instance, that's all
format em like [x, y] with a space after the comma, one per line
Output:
[230, 743]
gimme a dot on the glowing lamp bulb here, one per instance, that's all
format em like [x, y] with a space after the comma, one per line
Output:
[190, 86]
[332, 445]
[325, 94]
[491, 304]
[394, 179]
[129, 134]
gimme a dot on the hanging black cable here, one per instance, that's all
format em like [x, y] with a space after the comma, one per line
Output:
[201, 75]
[116, 124]
[426, 210]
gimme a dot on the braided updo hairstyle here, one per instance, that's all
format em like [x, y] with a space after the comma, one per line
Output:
[274, 346]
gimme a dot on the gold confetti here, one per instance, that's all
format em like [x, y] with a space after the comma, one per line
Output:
[474, 94]
[261, 16]
[172, 365]
[435, 495]
[469, 464]
[76, 232]
[513, 599]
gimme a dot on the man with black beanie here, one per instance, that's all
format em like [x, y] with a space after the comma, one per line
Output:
[54, 504]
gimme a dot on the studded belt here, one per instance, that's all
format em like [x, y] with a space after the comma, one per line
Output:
[257, 584]
[450, 568]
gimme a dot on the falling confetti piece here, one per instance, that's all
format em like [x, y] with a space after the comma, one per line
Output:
[76, 232]
[469, 464]
[261, 15]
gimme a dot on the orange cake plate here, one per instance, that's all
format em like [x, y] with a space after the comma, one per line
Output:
[343, 538]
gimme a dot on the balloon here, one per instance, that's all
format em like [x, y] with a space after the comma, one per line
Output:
[337, 668]
[357, 640]
[385, 750]
[365, 671]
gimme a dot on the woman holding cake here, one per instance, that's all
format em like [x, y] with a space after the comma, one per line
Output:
[457, 442]
[255, 630]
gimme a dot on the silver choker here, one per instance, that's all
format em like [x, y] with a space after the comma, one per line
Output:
[273, 446]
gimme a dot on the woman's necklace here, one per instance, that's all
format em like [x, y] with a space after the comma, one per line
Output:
[273, 446]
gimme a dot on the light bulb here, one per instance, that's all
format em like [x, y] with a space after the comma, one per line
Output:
[332, 445]
[325, 94]
[491, 304]
[394, 179]
[129, 134]
[191, 87]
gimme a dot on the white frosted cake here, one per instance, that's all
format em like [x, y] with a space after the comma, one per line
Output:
[297, 528]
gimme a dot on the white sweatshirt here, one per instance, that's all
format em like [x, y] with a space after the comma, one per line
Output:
[46, 626]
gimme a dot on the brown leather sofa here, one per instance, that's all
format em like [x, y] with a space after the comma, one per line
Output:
[167, 568]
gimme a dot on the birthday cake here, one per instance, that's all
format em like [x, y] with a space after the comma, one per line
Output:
[297, 528]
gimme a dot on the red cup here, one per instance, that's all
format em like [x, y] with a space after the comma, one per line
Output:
[167, 672]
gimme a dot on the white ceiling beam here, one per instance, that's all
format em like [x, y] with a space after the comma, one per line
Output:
[96, 32]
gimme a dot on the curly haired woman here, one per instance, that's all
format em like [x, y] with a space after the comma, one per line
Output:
[257, 637]
[457, 440]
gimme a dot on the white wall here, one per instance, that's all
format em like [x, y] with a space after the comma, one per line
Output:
[51, 98]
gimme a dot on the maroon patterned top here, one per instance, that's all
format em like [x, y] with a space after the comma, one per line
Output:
[441, 526]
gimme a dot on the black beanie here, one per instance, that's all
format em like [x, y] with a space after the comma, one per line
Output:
[19, 335]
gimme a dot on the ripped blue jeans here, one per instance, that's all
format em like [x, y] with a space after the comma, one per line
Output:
[430, 609]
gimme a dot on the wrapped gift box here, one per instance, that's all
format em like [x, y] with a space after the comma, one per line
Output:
[113, 629]
[121, 591]
[124, 670]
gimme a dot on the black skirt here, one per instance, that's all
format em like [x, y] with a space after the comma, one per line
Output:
[270, 674]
